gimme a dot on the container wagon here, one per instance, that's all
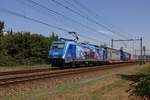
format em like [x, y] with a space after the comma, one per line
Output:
[112, 55]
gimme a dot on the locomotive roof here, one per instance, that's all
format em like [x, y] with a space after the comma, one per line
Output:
[62, 40]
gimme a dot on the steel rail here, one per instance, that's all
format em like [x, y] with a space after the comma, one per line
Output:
[52, 74]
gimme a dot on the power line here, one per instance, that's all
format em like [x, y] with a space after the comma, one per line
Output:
[60, 4]
[24, 3]
[39, 21]
[83, 16]
[88, 10]
[66, 17]
[68, 8]
[73, 6]
[31, 19]
[93, 13]
[77, 8]
[34, 6]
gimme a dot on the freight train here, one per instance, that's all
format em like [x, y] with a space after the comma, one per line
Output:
[65, 52]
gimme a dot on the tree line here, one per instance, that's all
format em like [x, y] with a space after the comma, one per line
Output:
[23, 48]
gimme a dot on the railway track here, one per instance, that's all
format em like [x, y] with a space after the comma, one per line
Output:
[14, 77]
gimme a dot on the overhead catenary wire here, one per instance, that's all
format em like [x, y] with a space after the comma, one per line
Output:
[66, 17]
[69, 3]
[95, 14]
[88, 11]
[32, 19]
[77, 2]
[85, 8]
[82, 12]
[79, 11]
[83, 16]
[92, 12]
[60, 4]
[40, 22]
[34, 6]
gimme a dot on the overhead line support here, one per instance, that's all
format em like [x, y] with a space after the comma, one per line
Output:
[141, 46]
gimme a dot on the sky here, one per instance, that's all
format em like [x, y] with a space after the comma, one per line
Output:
[127, 18]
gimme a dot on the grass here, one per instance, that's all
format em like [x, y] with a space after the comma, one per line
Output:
[108, 86]
[110, 90]
[23, 67]
[140, 83]
[100, 88]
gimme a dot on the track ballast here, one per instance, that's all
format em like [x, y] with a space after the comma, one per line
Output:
[14, 77]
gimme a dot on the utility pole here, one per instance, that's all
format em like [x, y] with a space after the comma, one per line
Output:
[141, 46]
[112, 43]
[144, 54]
[141, 58]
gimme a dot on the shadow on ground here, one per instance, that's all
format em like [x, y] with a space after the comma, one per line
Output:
[133, 78]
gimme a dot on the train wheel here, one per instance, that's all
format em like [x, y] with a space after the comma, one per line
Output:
[72, 64]
[89, 64]
[86, 64]
[53, 65]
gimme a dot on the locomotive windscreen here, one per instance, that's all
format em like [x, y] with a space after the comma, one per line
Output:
[56, 50]
[58, 46]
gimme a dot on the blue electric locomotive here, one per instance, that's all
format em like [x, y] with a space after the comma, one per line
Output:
[68, 52]
[61, 52]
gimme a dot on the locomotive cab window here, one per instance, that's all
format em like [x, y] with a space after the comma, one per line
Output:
[58, 46]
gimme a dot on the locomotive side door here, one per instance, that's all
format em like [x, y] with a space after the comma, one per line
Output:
[71, 53]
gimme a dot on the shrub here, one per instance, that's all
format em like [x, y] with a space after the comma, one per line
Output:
[141, 88]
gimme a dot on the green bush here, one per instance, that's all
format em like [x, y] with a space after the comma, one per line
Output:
[24, 48]
[142, 87]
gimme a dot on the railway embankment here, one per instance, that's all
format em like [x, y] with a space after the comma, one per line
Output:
[96, 85]
[23, 67]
